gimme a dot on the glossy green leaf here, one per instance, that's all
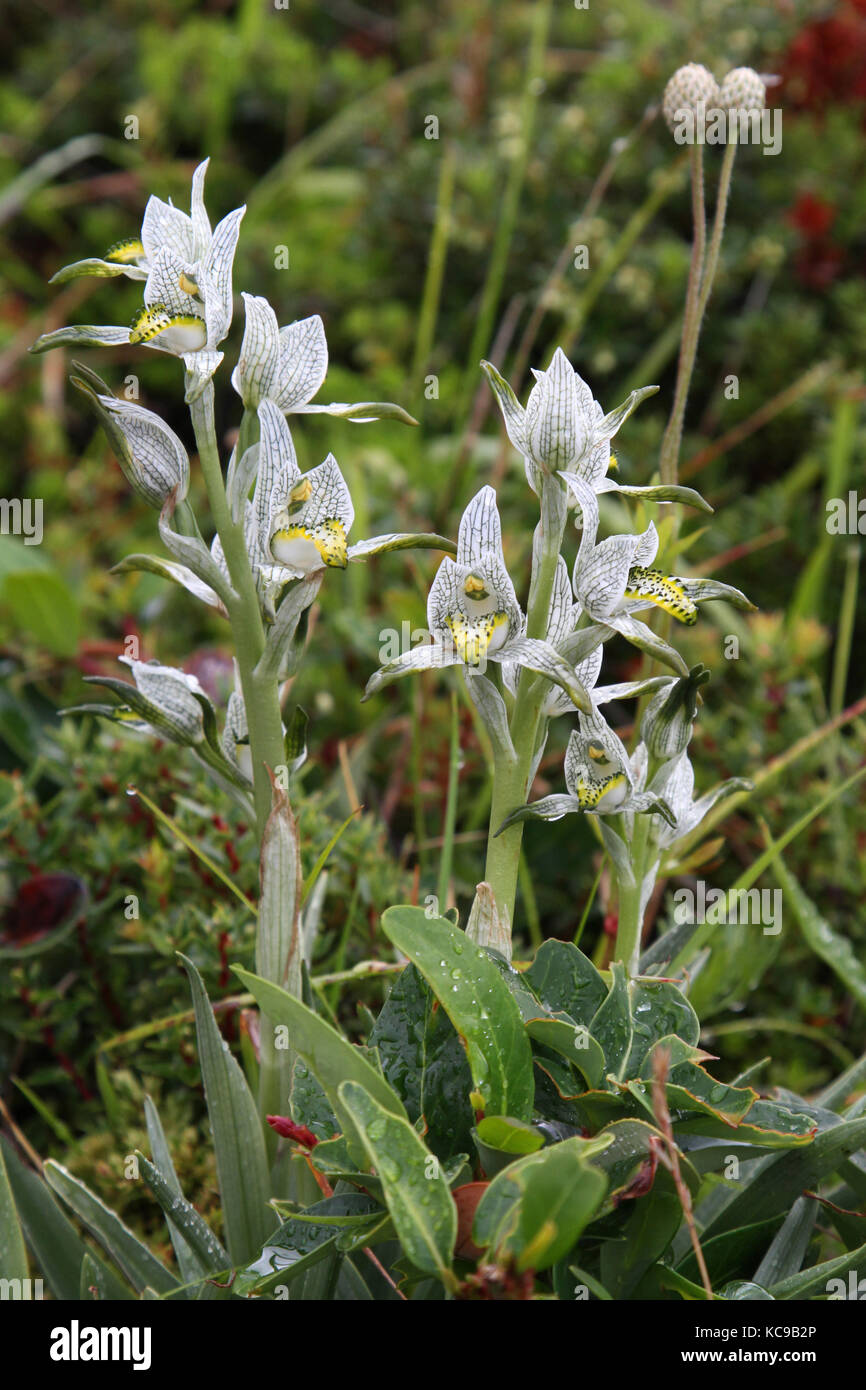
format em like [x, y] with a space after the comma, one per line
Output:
[191, 1267]
[330, 1058]
[416, 1192]
[788, 1247]
[817, 1282]
[296, 1247]
[472, 992]
[535, 1210]
[574, 1042]
[239, 1144]
[566, 980]
[646, 1236]
[183, 1217]
[612, 1025]
[424, 1060]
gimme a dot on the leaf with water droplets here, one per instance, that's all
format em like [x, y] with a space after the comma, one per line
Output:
[415, 1189]
[479, 1004]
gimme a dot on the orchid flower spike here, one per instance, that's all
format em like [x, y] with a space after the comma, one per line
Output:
[473, 614]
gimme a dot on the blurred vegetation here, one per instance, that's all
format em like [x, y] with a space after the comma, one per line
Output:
[318, 116]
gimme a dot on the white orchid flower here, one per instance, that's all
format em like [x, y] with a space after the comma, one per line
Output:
[298, 522]
[473, 614]
[288, 366]
[164, 225]
[563, 428]
[613, 579]
[675, 783]
[582, 649]
[601, 778]
[187, 308]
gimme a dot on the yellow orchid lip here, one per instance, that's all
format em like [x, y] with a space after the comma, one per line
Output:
[476, 638]
[660, 589]
[179, 332]
[126, 252]
[591, 796]
[299, 546]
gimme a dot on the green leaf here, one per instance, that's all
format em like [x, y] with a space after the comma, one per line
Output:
[183, 1218]
[612, 1026]
[239, 1144]
[789, 1245]
[628, 1160]
[13, 1256]
[57, 1248]
[330, 1058]
[297, 1246]
[536, 1209]
[657, 1011]
[416, 1193]
[141, 1268]
[566, 980]
[572, 1041]
[813, 1282]
[779, 1183]
[732, 1254]
[423, 1059]
[40, 603]
[649, 1230]
[472, 992]
[835, 950]
[191, 1267]
[499, 1140]
[94, 265]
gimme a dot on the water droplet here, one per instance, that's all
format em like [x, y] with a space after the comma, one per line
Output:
[456, 973]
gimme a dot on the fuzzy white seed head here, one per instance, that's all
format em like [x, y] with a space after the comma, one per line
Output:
[689, 86]
[742, 90]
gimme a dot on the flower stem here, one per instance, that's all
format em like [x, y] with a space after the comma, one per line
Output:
[510, 777]
[670, 449]
[260, 697]
[629, 928]
[712, 261]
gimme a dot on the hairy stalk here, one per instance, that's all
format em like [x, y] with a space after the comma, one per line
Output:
[691, 324]
[510, 778]
[712, 260]
[260, 697]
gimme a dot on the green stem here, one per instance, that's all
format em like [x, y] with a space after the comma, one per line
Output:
[718, 228]
[450, 809]
[511, 777]
[261, 697]
[629, 927]
[670, 450]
